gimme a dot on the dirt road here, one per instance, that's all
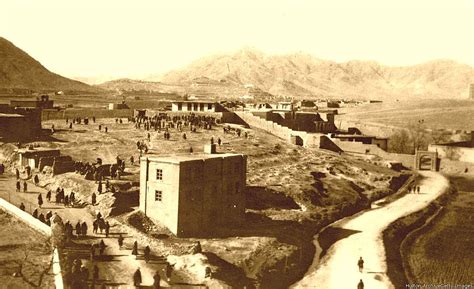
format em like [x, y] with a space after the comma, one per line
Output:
[119, 269]
[338, 268]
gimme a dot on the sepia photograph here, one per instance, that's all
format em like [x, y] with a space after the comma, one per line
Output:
[251, 144]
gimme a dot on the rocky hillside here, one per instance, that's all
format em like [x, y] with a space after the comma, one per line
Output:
[302, 75]
[21, 72]
[131, 85]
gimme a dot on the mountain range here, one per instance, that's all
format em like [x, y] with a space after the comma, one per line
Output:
[251, 72]
[19, 72]
[302, 75]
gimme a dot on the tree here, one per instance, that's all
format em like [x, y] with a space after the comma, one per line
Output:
[400, 142]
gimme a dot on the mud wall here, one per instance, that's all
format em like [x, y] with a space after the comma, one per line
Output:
[370, 149]
[98, 113]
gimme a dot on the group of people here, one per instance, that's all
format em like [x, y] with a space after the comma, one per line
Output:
[77, 275]
[414, 189]
[45, 218]
[60, 197]
[164, 121]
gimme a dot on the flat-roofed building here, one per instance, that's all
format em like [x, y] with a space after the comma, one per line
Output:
[193, 194]
[197, 106]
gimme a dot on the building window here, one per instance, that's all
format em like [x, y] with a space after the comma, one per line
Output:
[159, 174]
[189, 107]
[201, 106]
[158, 196]
[180, 106]
[209, 106]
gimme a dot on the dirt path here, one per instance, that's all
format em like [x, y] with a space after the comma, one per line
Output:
[338, 268]
[118, 270]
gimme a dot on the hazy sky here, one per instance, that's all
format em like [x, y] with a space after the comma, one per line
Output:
[123, 38]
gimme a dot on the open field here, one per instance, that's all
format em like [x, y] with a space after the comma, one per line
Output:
[437, 114]
[22, 247]
[442, 252]
[292, 192]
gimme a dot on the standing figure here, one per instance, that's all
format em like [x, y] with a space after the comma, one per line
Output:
[22, 206]
[137, 278]
[147, 253]
[135, 248]
[360, 263]
[101, 247]
[40, 200]
[25, 187]
[94, 198]
[120, 240]
[48, 196]
[107, 229]
[78, 228]
[18, 186]
[156, 280]
[360, 285]
[168, 272]
[95, 273]
[84, 229]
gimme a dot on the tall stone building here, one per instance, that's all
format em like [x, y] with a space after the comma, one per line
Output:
[193, 194]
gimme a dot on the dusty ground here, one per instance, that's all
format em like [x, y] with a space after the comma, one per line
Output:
[23, 249]
[437, 114]
[291, 193]
[365, 241]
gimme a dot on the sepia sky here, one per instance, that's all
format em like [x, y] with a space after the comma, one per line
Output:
[133, 38]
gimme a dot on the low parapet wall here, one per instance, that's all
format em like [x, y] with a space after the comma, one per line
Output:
[48, 114]
[40, 227]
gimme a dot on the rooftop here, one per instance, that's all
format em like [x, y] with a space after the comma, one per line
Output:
[195, 101]
[178, 158]
[11, 115]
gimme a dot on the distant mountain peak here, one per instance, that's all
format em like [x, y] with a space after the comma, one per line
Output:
[20, 71]
[302, 75]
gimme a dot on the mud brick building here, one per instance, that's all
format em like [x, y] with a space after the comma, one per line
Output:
[193, 194]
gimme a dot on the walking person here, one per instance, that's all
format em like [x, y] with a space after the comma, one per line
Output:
[25, 187]
[156, 280]
[48, 196]
[360, 285]
[120, 241]
[168, 272]
[107, 229]
[78, 228]
[360, 263]
[84, 229]
[101, 247]
[95, 273]
[18, 186]
[418, 189]
[94, 198]
[147, 253]
[40, 200]
[135, 248]
[137, 278]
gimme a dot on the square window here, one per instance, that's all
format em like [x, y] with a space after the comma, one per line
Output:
[158, 196]
[159, 174]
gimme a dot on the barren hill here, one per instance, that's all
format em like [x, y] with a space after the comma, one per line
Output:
[131, 85]
[303, 75]
[19, 72]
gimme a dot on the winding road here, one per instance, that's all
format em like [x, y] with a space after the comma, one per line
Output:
[338, 268]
